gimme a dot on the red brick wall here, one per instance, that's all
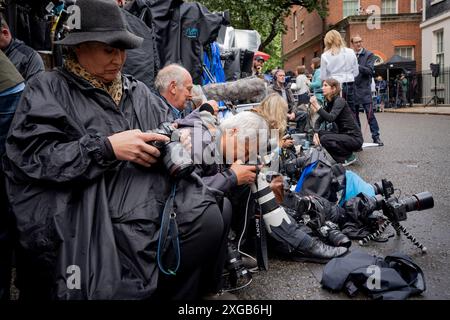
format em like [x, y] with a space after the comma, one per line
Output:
[308, 54]
[391, 35]
[313, 27]
[335, 12]
[382, 41]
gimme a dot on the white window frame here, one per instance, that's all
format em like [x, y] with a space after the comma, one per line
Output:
[406, 47]
[356, 12]
[295, 26]
[440, 53]
[396, 7]
[414, 6]
[302, 27]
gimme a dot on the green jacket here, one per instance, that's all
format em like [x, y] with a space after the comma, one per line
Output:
[9, 76]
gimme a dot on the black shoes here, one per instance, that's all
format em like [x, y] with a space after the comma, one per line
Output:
[378, 141]
[319, 252]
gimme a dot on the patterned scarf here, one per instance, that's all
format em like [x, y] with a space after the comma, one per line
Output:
[114, 88]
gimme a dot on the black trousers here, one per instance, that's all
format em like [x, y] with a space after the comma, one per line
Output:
[6, 241]
[339, 146]
[203, 246]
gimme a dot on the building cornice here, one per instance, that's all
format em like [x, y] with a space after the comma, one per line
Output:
[385, 18]
[435, 20]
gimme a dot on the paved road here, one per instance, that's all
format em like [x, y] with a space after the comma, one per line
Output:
[416, 158]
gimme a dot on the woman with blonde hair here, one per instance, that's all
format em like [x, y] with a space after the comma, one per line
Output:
[340, 63]
[275, 110]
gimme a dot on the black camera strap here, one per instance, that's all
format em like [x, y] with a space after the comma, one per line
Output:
[168, 236]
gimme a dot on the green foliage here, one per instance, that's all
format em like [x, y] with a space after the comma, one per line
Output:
[266, 17]
[262, 15]
[274, 49]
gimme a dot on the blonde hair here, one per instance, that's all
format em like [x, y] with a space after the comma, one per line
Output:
[333, 42]
[274, 109]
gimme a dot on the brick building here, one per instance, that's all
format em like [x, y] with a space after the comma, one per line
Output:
[388, 27]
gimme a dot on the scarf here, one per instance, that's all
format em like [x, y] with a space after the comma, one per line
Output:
[114, 88]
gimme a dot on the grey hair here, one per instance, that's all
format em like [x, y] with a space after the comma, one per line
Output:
[249, 125]
[252, 129]
[171, 72]
[244, 120]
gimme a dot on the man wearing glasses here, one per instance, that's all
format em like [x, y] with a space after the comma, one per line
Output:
[279, 86]
[363, 93]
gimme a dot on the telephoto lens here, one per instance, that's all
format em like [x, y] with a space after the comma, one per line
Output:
[418, 202]
[279, 224]
[176, 159]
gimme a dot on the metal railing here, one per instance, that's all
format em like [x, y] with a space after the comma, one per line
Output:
[426, 87]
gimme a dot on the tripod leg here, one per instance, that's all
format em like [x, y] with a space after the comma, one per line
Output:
[376, 234]
[397, 226]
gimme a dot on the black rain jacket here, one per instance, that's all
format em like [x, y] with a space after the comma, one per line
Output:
[79, 209]
[214, 174]
[182, 29]
[27, 61]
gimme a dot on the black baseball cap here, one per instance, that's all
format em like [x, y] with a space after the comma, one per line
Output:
[258, 58]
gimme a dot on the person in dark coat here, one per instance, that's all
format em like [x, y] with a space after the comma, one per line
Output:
[87, 188]
[182, 30]
[143, 62]
[27, 61]
[336, 128]
[11, 87]
[279, 86]
[363, 93]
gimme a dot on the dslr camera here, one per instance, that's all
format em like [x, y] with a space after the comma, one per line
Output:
[175, 158]
[395, 209]
[237, 274]
[332, 235]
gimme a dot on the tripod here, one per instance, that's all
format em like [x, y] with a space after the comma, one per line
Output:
[435, 97]
[399, 229]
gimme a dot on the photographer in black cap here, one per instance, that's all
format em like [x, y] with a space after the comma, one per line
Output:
[87, 188]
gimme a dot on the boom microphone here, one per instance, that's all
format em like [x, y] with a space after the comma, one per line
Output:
[247, 90]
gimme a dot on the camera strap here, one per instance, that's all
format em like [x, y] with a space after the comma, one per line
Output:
[168, 236]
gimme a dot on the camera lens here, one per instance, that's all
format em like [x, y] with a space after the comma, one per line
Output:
[418, 202]
[177, 160]
[338, 239]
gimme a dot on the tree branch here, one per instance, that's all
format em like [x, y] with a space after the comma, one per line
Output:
[273, 33]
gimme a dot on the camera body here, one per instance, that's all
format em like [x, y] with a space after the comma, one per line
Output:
[175, 158]
[292, 167]
[396, 209]
[237, 275]
[331, 233]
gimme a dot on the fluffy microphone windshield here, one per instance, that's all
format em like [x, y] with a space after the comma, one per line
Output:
[246, 90]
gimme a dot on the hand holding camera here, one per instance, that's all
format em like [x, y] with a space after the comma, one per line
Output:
[132, 145]
[245, 174]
